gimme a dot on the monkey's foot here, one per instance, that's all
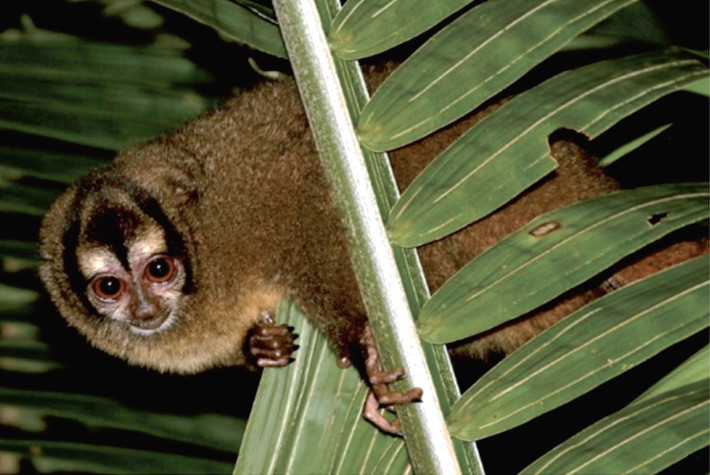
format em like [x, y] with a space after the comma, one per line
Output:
[271, 345]
[380, 395]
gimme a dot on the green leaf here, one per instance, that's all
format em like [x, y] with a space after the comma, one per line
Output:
[508, 151]
[100, 62]
[234, 21]
[593, 345]
[16, 312]
[46, 164]
[17, 198]
[96, 94]
[52, 456]
[469, 61]
[309, 413]
[19, 249]
[168, 106]
[14, 296]
[213, 431]
[631, 146]
[29, 350]
[572, 244]
[367, 27]
[701, 86]
[99, 122]
[644, 437]
[638, 22]
[693, 370]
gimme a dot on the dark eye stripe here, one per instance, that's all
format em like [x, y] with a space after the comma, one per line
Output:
[176, 246]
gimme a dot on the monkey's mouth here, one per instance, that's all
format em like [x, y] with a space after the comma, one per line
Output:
[151, 325]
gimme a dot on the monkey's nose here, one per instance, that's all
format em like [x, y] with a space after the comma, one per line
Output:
[146, 314]
[148, 320]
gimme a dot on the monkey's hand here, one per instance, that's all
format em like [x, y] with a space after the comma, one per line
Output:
[270, 345]
[380, 395]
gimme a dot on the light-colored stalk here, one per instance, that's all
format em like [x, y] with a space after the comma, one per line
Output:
[429, 444]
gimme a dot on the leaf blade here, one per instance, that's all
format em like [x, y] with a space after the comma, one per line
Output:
[586, 349]
[644, 437]
[313, 405]
[473, 58]
[364, 28]
[586, 238]
[511, 149]
[234, 21]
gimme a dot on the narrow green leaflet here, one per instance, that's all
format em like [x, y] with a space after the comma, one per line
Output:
[15, 312]
[508, 151]
[17, 198]
[701, 86]
[632, 145]
[51, 456]
[208, 430]
[127, 95]
[100, 62]
[235, 21]
[367, 27]
[100, 123]
[638, 23]
[644, 437]
[554, 253]
[309, 414]
[693, 370]
[167, 104]
[53, 165]
[15, 296]
[591, 346]
[29, 350]
[473, 58]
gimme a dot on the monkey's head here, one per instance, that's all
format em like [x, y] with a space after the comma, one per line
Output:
[117, 266]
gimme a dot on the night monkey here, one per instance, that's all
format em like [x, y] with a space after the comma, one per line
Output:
[176, 255]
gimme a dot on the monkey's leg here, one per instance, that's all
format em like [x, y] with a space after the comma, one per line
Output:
[271, 345]
[380, 395]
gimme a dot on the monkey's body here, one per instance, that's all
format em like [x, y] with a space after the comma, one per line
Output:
[243, 187]
[251, 222]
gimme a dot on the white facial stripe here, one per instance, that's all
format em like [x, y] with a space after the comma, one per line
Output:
[150, 241]
[97, 261]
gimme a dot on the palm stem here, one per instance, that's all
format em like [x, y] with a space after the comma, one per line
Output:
[320, 78]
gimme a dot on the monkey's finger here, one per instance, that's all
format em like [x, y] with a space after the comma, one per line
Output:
[271, 342]
[273, 363]
[273, 330]
[273, 353]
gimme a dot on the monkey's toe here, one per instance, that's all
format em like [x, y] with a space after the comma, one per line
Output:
[371, 412]
[380, 394]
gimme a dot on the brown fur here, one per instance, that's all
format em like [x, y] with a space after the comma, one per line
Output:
[244, 187]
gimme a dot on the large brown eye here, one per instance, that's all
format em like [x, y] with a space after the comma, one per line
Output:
[160, 270]
[108, 287]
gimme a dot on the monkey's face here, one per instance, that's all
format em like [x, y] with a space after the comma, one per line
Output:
[142, 290]
[116, 264]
